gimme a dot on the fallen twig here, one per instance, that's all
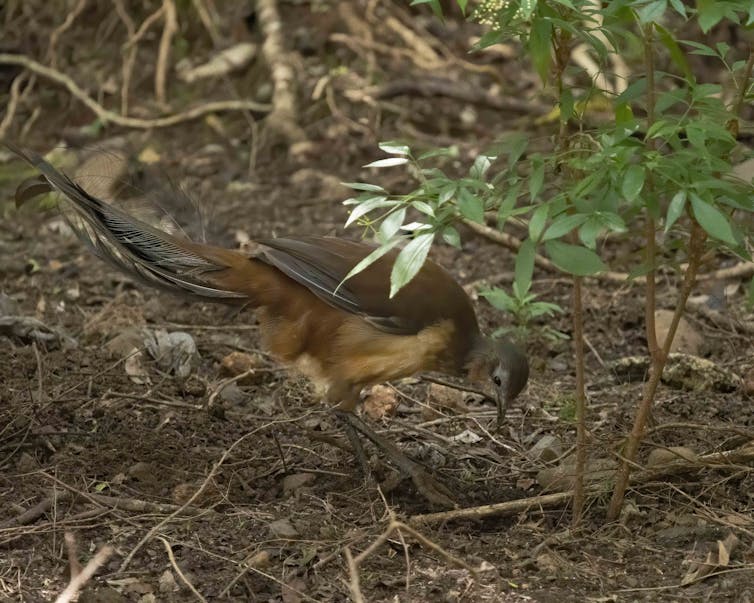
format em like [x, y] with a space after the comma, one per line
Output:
[163, 53]
[733, 458]
[74, 586]
[106, 115]
[283, 118]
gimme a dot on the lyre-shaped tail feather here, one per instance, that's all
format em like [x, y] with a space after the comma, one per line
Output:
[143, 252]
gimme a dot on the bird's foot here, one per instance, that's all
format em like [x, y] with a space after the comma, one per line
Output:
[435, 492]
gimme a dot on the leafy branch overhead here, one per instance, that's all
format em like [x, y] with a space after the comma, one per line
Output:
[678, 168]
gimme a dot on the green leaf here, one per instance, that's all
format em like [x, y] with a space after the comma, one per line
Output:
[364, 186]
[369, 260]
[470, 206]
[715, 222]
[697, 137]
[537, 178]
[652, 11]
[676, 54]
[679, 7]
[447, 193]
[675, 209]
[388, 162]
[574, 259]
[481, 164]
[623, 114]
[537, 222]
[365, 207]
[462, 5]
[709, 12]
[524, 267]
[435, 4]
[392, 147]
[562, 225]
[589, 232]
[634, 91]
[499, 299]
[539, 46]
[451, 237]
[409, 261]
[424, 207]
[700, 49]
[633, 182]
[392, 224]
[566, 104]
[517, 143]
[451, 151]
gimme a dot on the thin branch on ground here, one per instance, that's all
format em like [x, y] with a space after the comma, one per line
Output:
[107, 116]
[163, 53]
[77, 582]
[283, 118]
[52, 56]
[12, 106]
[178, 571]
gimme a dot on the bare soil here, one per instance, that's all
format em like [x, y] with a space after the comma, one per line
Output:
[281, 500]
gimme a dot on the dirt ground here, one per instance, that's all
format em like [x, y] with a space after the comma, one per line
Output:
[111, 448]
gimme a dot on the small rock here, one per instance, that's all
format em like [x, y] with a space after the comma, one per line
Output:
[237, 363]
[447, 397]
[294, 482]
[282, 528]
[562, 477]
[547, 449]
[687, 340]
[232, 394]
[26, 463]
[125, 343]
[259, 560]
[167, 583]
[748, 385]
[663, 456]
[142, 471]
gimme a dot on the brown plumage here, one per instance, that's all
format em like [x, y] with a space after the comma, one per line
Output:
[343, 335]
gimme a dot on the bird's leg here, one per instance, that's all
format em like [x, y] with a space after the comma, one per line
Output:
[347, 398]
[432, 490]
[354, 440]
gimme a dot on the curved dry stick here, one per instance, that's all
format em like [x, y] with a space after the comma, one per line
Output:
[163, 53]
[86, 574]
[62, 28]
[106, 115]
[284, 116]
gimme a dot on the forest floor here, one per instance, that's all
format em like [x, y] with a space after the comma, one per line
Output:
[109, 446]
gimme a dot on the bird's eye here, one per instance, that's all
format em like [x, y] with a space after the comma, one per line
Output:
[497, 381]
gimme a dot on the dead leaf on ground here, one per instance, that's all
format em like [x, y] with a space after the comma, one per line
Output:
[174, 352]
[380, 402]
[237, 363]
[717, 558]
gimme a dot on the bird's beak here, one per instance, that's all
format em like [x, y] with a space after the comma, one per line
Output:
[502, 407]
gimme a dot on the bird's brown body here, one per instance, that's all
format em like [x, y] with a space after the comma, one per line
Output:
[343, 334]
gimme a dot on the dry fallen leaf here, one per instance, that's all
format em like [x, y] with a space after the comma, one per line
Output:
[380, 402]
[716, 558]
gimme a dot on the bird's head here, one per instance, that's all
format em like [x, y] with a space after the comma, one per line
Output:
[501, 367]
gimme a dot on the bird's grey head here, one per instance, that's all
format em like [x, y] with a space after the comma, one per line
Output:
[505, 368]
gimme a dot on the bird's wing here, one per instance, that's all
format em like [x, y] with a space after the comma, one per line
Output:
[321, 264]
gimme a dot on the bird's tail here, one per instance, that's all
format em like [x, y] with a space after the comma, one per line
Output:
[145, 253]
